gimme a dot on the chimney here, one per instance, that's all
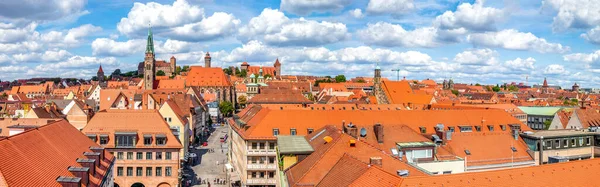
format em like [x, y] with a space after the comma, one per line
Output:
[378, 129]
[98, 150]
[81, 172]
[351, 130]
[93, 155]
[515, 134]
[69, 181]
[89, 163]
[376, 161]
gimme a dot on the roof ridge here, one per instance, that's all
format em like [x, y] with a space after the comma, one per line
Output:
[339, 160]
[335, 141]
[32, 129]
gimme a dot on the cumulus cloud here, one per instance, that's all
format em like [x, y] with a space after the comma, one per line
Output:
[78, 62]
[110, 47]
[274, 28]
[305, 7]
[583, 57]
[474, 17]
[356, 13]
[12, 34]
[48, 56]
[392, 7]
[520, 65]
[180, 20]
[573, 14]
[41, 10]
[477, 57]
[555, 69]
[73, 37]
[515, 40]
[592, 36]
[389, 35]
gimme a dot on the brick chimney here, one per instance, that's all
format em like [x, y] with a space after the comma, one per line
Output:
[376, 161]
[69, 181]
[98, 150]
[89, 163]
[81, 172]
[95, 156]
[351, 130]
[378, 129]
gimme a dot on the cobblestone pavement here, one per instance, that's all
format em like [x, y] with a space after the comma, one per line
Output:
[210, 165]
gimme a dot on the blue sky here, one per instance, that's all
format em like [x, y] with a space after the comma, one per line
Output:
[470, 41]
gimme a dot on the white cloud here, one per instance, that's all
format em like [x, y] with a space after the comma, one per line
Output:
[21, 47]
[515, 40]
[477, 57]
[76, 62]
[520, 65]
[356, 13]
[216, 26]
[160, 16]
[387, 34]
[576, 14]
[555, 69]
[48, 56]
[470, 16]
[392, 7]
[305, 7]
[109, 47]
[274, 28]
[583, 57]
[593, 35]
[42, 10]
[73, 37]
[10, 34]
[4, 58]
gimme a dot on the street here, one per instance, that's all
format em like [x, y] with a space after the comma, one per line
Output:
[209, 165]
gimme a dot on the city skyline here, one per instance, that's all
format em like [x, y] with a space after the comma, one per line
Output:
[486, 42]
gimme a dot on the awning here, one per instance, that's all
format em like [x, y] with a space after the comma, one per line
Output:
[126, 133]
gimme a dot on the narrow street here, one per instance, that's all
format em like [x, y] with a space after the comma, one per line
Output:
[210, 165]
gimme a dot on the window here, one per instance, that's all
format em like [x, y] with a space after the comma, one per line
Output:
[125, 141]
[548, 144]
[161, 141]
[275, 132]
[310, 130]
[478, 128]
[423, 130]
[148, 171]
[129, 171]
[148, 155]
[503, 127]
[271, 174]
[490, 128]
[92, 137]
[167, 155]
[573, 142]
[158, 171]
[158, 155]
[580, 141]
[254, 145]
[262, 174]
[168, 171]
[271, 160]
[119, 171]
[138, 171]
[588, 141]
[557, 143]
[139, 156]
[466, 129]
[129, 155]
[293, 131]
[467, 152]
[565, 143]
[147, 141]
[254, 174]
[103, 140]
[447, 172]
[450, 129]
[120, 155]
[271, 145]
[513, 149]
[262, 145]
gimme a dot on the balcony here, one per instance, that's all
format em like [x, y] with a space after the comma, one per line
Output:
[260, 181]
[262, 166]
[262, 152]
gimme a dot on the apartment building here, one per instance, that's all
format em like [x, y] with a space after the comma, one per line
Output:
[147, 153]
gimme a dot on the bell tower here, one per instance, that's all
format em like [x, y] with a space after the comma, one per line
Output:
[149, 61]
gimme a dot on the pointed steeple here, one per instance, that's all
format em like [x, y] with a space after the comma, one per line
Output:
[150, 42]
[102, 71]
[545, 83]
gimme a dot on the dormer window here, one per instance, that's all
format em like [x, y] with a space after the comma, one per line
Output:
[103, 139]
[275, 132]
[478, 128]
[503, 127]
[490, 128]
[450, 129]
[310, 130]
[293, 131]
[161, 139]
[147, 139]
[423, 130]
[466, 128]
[125, 139]
[92, 137]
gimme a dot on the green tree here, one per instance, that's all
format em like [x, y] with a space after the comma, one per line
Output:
[226, 108]
[237, 70]
[477, 84]
[242, 99]
[116, 72]
[547, 124]
[340, 78]
[4, 96]
[455, 92]
[227, 71]
[160, 73]
[311, 97]
[243, 73]
[496, 88]
[361, 81]
[177, 70]
[185, 69]
[268, 76]
[95, 78]
[513, 88]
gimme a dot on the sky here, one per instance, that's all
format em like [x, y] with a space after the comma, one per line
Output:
[479, 41]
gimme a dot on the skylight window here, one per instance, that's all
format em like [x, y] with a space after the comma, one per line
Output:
[513, 149]
[467, 152]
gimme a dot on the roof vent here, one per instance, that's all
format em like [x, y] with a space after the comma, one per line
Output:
[513, 149]
[352, 143]
[403, 173]
[467, 152]
[327, 139]
[363, 132]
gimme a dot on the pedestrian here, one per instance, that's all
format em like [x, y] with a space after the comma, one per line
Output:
[208, 184]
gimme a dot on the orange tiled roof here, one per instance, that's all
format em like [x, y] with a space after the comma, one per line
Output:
[171, 84]
[558, 174]
[400, 92]
[279, 98]
[118, 84]
[32, 122]
[255, 70]
[479, 144]
[139, 121]
[201, 76]
[38, 157]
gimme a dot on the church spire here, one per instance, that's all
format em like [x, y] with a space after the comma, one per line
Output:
[150, 42]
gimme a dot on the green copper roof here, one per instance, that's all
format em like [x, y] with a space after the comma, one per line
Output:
[542, 111]
[293, 145]
[150, 44]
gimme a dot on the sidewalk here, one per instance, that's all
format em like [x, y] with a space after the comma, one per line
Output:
[211, 165]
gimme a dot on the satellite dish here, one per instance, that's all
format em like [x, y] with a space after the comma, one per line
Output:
[363, 132]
